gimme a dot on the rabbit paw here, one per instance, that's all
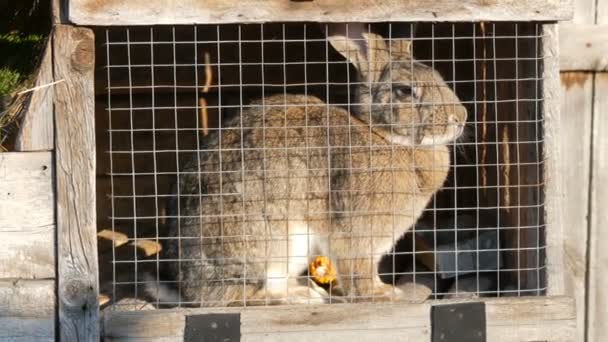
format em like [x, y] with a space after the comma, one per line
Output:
[304, 295]
[379, 292]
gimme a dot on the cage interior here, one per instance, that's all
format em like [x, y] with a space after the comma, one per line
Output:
[165, 93]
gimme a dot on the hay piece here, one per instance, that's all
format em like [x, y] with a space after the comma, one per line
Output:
[117, 238]
[149, 247]
[103, 299]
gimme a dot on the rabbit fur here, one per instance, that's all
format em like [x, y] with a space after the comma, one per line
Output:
[293, 177]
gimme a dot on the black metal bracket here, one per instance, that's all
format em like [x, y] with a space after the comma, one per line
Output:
[213, 328]
[463, 322]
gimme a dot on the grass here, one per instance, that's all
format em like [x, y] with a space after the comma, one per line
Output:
[24, 24]
[17, 64]
[9, 81]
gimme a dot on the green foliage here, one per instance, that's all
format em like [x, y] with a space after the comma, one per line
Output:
[19, 55]
[9, 80]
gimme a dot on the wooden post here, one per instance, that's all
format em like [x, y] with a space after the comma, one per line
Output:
[59, 11]
[553, 181]
[73, 52]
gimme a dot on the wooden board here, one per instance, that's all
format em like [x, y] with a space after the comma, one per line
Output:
[576, 114]
[75, 159]
[597, 304]
[151, 12]
[552, 157]
[576, 109]
[27, 221]
[597, 299]
[512, 319]
[27, 310]
[584, 47]
[36, 130]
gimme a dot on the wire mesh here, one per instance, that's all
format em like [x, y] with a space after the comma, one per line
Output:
[316, 163]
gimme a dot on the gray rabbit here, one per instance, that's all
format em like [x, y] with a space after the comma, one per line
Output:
[304, 178]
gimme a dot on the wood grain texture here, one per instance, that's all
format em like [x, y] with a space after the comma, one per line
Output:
[576, 109]
[597, 304]
[584, 12]
[576, 113]
[27, 219]
[36, 130]
[27, 329]
[597, 310]
[584, 47]
[602, 13]
[150, 12]
[27, 310]
[513, 319]
[554, 194]
[59, 11]
[75, 160]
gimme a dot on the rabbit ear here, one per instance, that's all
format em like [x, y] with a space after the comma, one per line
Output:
[401, 49]
[365, 50]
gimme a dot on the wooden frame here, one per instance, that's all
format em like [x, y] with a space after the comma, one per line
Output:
[508, 319]
[27, 256]
[585, 47]
[157, 12]
[73, 52]
[553, 219]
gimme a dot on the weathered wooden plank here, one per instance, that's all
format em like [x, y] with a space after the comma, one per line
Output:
[512, 319]
[150, 12]
[27, 219]
[597, 304]
[27, 298]
[36, 130]
[584, 47]
[602, 13]
[597, 310]
[551, 151]
[576, 111]
[27, 310]
[59, 10]
[27, 329]
[584, 12]
[28, 254]
[75, 159]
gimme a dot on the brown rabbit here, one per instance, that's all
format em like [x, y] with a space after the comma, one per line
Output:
[293, 177]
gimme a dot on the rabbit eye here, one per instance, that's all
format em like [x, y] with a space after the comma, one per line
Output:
[403, 90]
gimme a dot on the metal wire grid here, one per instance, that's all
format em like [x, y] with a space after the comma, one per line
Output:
[485, 226]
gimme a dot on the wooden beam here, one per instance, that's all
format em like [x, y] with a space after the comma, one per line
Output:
[597, 314]
[27, 310]
[27, 220]
[75, 159]
[552, 156]
[152, 12]
[507, 319]
[583, 47]
[575, 128]
[59, 11]
[36, 129]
